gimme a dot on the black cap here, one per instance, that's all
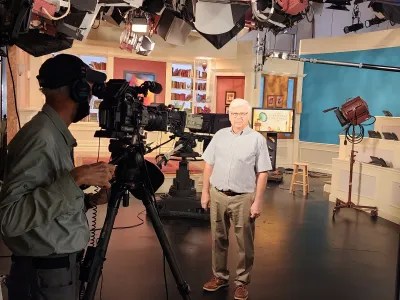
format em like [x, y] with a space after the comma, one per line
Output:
[64, 69]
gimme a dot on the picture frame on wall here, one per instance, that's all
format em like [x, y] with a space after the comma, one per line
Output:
[227, 109]
[270, 101]
[279, 101]
[229, 96]
[136, 78]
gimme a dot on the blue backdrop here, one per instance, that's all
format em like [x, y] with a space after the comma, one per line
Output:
[327, 86]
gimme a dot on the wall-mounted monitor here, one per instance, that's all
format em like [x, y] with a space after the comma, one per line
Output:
[273, 120]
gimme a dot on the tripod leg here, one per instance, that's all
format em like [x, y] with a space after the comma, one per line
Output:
[97, 261]
[183, 287]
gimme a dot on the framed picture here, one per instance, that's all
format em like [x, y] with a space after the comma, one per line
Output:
[229, 96]
[227, 109]
[273, 120]
[279, 101]
[270, 101]
[136, 78]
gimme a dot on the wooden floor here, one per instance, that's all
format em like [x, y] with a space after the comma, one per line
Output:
[301, 253]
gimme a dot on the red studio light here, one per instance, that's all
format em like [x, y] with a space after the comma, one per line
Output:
[353, 111]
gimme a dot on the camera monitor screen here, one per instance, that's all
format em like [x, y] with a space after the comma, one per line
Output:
[273, 120]
[207, 123]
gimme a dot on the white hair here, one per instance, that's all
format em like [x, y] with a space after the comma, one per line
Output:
[240, 103]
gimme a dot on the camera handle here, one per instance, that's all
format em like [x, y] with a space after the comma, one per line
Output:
[92, 265]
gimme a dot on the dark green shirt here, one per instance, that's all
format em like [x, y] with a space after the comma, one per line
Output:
[41, 207]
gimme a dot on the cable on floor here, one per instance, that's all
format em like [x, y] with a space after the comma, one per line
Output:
[131, 226]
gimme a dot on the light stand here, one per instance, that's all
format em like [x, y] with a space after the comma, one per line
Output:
[341, 204]
[140, 178]
[352, 113]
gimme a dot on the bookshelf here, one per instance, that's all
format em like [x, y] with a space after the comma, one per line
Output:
[200, 84]
[190, 85]
[182, 86]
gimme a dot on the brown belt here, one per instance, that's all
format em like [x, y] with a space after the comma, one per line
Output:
[229, 193]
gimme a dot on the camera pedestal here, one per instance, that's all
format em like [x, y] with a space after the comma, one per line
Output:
[182, 200]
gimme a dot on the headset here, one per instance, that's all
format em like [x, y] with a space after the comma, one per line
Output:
[80, 89]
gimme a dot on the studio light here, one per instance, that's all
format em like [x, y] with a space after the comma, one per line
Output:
[354, 111]
[338, 5]
[351, 115]
[132, 42]
[353, 28]
[374, 21]
[139, 24]
[144, 46]
[220, 22]
[115, 15]
[278, 54]
[172, 29]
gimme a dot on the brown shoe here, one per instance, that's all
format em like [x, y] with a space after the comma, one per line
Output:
[214, 284]
[241, 293]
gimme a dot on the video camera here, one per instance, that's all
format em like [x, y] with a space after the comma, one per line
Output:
[122, 112]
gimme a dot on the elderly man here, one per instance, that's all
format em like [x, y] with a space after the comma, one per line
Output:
[236, 165]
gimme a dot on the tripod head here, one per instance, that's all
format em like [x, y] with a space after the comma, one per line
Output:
[184, 147]
[133, 172]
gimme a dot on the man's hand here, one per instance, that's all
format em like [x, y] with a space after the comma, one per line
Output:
[205, 199]
[99, 198]
[255, 210]
[98, 174]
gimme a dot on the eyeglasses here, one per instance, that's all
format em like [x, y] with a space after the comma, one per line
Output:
[242, 115]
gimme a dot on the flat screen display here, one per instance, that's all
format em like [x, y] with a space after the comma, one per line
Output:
[273, 120]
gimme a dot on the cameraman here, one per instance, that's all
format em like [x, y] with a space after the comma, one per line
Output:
[42, 208]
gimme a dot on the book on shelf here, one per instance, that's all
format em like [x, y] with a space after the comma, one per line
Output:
[181, 85]
[201, 86]
[182, 73]
[201, 74]
[181, 96]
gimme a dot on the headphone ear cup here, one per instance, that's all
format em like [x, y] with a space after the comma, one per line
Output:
[80, 91]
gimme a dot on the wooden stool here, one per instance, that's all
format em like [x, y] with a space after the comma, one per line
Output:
[304, 173]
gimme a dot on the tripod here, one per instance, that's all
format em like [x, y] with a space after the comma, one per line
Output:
[341, 204]
[139, 177]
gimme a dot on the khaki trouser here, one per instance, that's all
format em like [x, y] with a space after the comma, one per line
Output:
[225, 210]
